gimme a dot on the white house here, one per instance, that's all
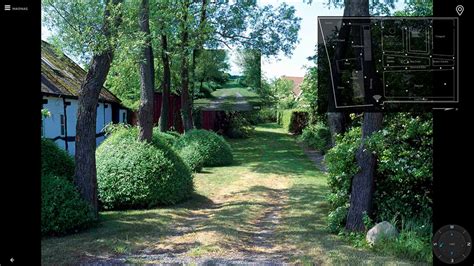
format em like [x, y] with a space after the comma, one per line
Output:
[61, 80]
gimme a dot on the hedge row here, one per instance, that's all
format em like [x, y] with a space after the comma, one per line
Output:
[293, 120]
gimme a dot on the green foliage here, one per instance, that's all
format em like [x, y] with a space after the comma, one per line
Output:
[416, 8]
[317, 136]
[412, 243]
[62, 209]
[282, 92]
[167, 138]
[192, 157]
[337, 219]
[404, 167]
[250, 61]
[78, 26]
[55, 161]
[204, 148]
[309, 92]
[244, 24]
[238, 124]
[133, 174]
[45, 113]
[341, 165]
[210, 66]
[264, 115]
[293, 121]
[267, 115]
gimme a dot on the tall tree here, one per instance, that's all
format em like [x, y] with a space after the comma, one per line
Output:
[201, 36]
[186, 108]
[250, 61]
[166, 83]
[147, 69]
[78, 29]
[337, 121]
[363, 183]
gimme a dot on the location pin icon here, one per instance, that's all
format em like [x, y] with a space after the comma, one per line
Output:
[459, 9]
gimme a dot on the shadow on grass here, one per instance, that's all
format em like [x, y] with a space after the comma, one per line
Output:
[305, 227]
[272, 152]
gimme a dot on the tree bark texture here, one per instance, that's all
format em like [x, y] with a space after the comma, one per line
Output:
[85, 175]
[363, 183]
[145, 112]
[186, 108]
[166, 85]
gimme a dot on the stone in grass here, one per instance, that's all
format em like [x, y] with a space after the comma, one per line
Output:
[383, 230]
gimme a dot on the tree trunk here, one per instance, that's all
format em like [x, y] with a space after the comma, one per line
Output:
[186, 108]
[337, 121]
[363, 183]
[337, 124]
[166, 85]
[145, 112]
[199, 43]
[85, 175]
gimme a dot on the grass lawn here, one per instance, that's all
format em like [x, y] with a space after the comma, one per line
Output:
[230, 96]
[270, 202]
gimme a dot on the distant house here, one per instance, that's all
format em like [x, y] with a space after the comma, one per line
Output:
[61, 80]
[296, 85]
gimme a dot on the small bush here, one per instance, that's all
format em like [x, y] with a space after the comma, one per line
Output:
[317, 136]
[55, 161]
[264, 115]
[237, 125]
[204, 148]
[194, 160]
[62, 209]
[342, 165]
[133, 174]
[267, 115]
[337, 219]
[293, 121]
[167, 138]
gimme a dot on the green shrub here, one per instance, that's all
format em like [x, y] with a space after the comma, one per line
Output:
[267, 115]
[404, 166]
[133, 174]
[167, 138]
[174, 134]
[204, 148]
[341, 165]
[317, 136]
[194, 160]
[62, 209]
[293, 120]
[403, 181]
[264, 115]
[337, 219]
[237, 124]
[55, 161]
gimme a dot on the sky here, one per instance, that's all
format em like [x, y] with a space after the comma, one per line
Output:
[308, 38]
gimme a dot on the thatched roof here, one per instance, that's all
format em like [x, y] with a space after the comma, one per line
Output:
[63, 77]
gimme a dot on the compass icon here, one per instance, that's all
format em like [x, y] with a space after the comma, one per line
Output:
[452, 244]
